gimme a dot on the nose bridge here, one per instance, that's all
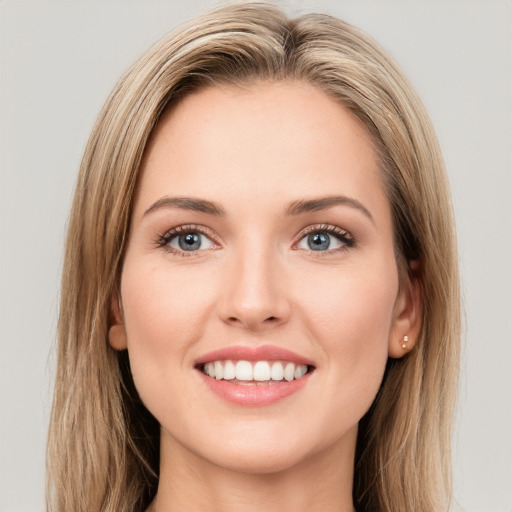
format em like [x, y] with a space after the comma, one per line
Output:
[254, 296]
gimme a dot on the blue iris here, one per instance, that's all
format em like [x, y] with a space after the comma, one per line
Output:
[319, 241]
[189, 242]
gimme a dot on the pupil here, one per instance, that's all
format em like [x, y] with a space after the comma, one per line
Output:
[189, 242]
[318, 241]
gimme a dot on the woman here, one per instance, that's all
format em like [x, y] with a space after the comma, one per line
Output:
[260, 305]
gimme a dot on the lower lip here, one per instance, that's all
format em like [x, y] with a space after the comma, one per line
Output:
[254, 394]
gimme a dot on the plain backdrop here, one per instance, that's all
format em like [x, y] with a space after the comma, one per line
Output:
[58, 62]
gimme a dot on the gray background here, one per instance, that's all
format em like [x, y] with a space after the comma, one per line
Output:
[58, 62]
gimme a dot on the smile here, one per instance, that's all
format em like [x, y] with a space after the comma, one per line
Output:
[255, 372]
[254, 376]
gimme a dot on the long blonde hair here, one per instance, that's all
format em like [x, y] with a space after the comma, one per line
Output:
[103, 443]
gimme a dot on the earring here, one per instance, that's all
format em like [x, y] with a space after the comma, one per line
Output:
[404, 344]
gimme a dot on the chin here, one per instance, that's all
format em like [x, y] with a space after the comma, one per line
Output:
[270, 451]
[257, 461]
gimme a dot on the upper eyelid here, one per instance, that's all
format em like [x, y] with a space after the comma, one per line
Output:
[329, 228]
[188, 228]
[182, 228]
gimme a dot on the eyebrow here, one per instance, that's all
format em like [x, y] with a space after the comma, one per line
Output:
[295, 208]
[323, 203]
[187, 203]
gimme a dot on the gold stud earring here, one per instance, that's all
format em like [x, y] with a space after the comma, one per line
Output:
[404, 344]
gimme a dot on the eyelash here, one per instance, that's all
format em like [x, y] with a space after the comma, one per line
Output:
[342, 235]
[165, 239]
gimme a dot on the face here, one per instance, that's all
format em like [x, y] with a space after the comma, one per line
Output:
[260, 249]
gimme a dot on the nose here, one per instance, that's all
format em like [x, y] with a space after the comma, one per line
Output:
[254, 293]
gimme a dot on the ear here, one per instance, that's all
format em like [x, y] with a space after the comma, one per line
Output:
[406, 325]
[117, 333]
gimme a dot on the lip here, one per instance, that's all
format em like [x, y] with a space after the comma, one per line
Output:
[253, 395]
[262, 353]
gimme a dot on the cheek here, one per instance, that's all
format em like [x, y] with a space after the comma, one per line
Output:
[351, 321]
[159, 303]
[351, 305]
[164, 315]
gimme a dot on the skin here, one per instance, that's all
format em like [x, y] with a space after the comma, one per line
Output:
[255, 151]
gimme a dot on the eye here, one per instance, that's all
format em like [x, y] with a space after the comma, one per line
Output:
[326, 238]
[190, 242]
[186, 239]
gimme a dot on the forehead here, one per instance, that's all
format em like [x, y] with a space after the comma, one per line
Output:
[270, 141]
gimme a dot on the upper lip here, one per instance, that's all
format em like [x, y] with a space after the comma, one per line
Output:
[261, 353]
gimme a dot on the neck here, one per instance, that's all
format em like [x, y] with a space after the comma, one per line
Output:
[320, 483]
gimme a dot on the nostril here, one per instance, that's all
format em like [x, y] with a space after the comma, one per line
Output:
[269, 319]
[254, 320]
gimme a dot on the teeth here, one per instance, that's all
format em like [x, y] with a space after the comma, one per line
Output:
[289, 371]
[277, 372]
[229, 370]
[300, 371]
[259, 371]
[244, 370]
[209, 369]
[219, 370]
